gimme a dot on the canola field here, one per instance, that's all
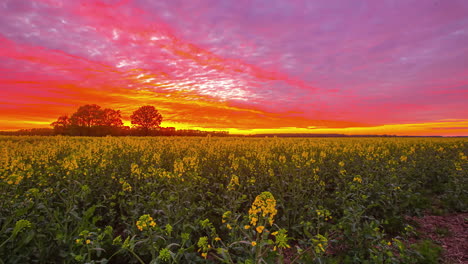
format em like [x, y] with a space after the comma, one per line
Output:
[225, 200]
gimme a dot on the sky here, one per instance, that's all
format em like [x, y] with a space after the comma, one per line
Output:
[395, 67]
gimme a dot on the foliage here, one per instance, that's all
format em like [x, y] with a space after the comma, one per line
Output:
[92, 120]
[89, 120]
[146, 117]
[429, 252]
[223, 200]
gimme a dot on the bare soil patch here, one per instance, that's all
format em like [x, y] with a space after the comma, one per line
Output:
[449, 231]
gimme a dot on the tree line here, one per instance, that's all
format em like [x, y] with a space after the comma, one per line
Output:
[93, 120]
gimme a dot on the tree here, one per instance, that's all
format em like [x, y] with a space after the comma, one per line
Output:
[87, 116]
[90, 120]
[146, 117]
[62, 125]
[111, 122]
[111, 118]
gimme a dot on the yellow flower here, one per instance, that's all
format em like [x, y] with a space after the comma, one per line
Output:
[78, 241]
[357, 179]
[233, 183]
[260, 229]
[389, 243]
[229, 226]
[144, 222]
[254, 220]
[204, 255]
[217, 239]
[246, 227]
[320, 242]
[275, 233]
[264, 206]
[254, 243]
[321, 247]
[88, 241]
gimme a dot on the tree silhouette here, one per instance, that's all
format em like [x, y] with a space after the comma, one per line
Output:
[92, 120]
[111, 118]
[146, 117]
[62, 125]
[111, 122]
[87, 116]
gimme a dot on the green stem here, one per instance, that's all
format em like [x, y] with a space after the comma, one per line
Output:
[89, 253]
[302, 253]
[217, 257]
[117, 252]
[227, 253]
[4, 242]
[57, 221]
[281, 257]
[137, 257]
[153, 253]
[258, 250]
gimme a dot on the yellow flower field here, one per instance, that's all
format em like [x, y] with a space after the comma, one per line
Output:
[223, 200]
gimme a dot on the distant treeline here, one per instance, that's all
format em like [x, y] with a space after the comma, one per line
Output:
[326, 135]
[92, 120]
[123, 131]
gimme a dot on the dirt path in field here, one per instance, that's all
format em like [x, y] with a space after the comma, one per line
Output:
[450, 232]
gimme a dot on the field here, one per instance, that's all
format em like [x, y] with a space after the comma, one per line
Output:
[225, 200]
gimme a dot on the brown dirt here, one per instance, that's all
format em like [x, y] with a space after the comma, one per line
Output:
[450, 232]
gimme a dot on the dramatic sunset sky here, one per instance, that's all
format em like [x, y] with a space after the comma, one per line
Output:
[245, 66]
